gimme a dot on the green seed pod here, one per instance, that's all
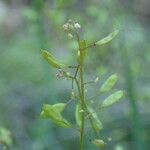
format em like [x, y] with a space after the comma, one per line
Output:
[112, 99]
[51, 60]
[99, 143]
[109, 83]
[78, 114]
[108, 38]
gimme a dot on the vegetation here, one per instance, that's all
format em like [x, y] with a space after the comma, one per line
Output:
[84, 109]
[27, 82]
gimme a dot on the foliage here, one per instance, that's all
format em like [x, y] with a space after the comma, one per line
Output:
[5, 138]
[83, 109]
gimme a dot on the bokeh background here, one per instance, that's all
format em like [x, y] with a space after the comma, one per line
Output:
[27, 81]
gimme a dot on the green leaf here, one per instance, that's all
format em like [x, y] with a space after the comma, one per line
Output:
[108, 38]
[96, 122]
[5, 137]
[59, 107]
[109, 83]
[53, 112]
[99, 143]
[78, 114]
[51, 60]
[112, 99]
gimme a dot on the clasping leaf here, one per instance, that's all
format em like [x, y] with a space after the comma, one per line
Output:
[108, 38]
[5, 137]
[53, 112]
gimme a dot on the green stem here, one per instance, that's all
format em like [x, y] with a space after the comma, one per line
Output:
[86, 110]
[82, 101]
[81, 90]
[83, 108]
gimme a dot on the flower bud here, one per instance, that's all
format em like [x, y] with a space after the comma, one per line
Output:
[65, 26]
[77, 26]
[96, 80]
[70, 36]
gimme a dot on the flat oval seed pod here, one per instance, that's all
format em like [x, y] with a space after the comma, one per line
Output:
[99, 143]
[107, 38]
[51, 60]
[109, 83]
[112, 99]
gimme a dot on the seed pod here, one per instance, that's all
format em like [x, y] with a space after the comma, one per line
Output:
[112, 99]
[99, 143]
[78, 114]
[109, 83]
[51, 60]
[108, 38]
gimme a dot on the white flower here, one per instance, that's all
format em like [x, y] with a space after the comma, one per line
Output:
[68, 26]
[70, 36]
[96, 80]
[65, 26]
[77, 26]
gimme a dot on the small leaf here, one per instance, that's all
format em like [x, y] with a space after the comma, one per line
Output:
[109, 83]
[99, 143]
[96, 122]
[59, 107]
[53, 112]
[108, 38]
[78, 114]
[51, 60]
[5, 137]
[112, 99]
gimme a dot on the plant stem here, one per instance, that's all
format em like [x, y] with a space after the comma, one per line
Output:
[80, 85]
[83, 108]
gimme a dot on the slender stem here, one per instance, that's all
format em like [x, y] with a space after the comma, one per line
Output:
[82, 105]
[93, 127]
[80, 85]
[89, 82]
[93, 97]
[91, 45]
[87, 111]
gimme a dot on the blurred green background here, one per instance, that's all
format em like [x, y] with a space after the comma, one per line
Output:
[27, 81]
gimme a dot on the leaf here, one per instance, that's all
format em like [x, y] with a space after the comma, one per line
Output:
[59, 107]
[109, 83]
[5, 137]
[112, 99]
[51, 60]
[108, 38]
[99, 143]
[53, 112]
[78, 114]
[96, 122]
